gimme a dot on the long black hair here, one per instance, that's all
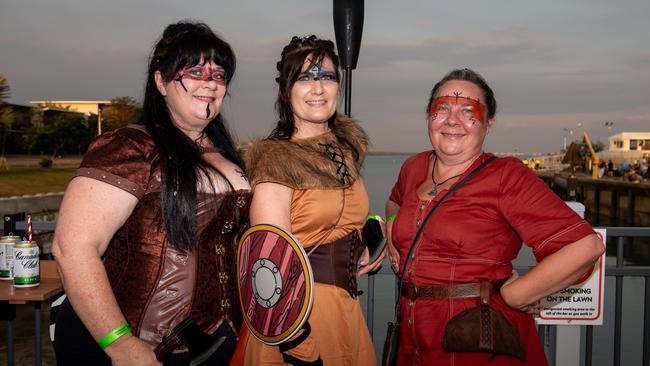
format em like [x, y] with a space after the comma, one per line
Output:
[184, 44]
[289, 68]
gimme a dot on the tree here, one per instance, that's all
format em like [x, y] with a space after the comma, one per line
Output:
[62, 134]
[6, 116]
[121, 111]
[4, 89]
[599, 146]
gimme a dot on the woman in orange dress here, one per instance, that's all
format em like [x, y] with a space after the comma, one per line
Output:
[306, 180]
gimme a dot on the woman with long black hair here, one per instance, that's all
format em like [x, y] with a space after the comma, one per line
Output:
[146, 231]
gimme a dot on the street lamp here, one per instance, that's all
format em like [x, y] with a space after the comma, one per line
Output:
[570, 133]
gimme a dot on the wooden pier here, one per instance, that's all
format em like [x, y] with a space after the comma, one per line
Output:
[624, 203]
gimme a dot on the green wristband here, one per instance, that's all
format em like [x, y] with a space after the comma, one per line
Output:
[391, 218]
[376, 217]
[114, 334]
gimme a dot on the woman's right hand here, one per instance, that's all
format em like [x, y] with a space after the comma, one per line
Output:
[393, 255]
[131, 351]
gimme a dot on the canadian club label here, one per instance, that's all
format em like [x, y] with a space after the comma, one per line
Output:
[26, 265]
[7, 256]
[6, 260]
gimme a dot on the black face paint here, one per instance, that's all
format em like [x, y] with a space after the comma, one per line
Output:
[180, 80]
[207, 111]
[316, 73]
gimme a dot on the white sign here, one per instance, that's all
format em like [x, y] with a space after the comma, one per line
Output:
[582, 303]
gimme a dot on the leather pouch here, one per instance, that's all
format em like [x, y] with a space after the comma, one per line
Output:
[483, 329]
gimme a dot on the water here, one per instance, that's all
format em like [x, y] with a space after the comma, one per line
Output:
[380, 173]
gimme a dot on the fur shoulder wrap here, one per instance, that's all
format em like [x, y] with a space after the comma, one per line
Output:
[319, 162]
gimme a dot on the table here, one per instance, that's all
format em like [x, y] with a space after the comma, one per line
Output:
[10, 297]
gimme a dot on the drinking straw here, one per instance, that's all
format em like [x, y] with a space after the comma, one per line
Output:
[29, 227]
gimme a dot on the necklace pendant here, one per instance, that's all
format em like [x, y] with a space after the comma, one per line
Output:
[434, 191]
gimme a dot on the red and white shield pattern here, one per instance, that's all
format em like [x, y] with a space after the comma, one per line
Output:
[275, 283]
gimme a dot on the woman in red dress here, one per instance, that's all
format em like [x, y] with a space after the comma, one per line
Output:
[475, 234]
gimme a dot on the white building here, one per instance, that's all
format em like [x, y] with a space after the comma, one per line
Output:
[82, 106]
[627, 146]
[86, 107]
[629, 141]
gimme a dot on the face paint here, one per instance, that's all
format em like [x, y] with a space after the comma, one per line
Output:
[316, 73]
[180, 81]
[466, 110]
[202, 73]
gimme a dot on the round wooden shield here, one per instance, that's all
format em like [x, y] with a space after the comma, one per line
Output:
[275, 283]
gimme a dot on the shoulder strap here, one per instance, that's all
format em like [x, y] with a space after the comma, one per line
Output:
[424, 222]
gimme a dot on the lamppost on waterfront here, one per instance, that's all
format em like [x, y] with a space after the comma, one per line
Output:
[570, 133]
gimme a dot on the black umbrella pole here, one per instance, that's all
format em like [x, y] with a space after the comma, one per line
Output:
[347, 76]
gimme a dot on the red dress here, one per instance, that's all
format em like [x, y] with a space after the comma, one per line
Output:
[474, 235]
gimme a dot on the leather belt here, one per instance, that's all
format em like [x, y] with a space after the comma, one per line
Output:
[440, 292]
[336, 263]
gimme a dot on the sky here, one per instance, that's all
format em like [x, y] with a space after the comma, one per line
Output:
[558, 67]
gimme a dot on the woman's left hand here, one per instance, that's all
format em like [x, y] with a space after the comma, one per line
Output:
[365, 267]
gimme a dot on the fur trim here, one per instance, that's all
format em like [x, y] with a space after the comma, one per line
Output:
[303, 164]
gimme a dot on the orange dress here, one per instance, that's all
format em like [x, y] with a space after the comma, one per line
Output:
[339, 334]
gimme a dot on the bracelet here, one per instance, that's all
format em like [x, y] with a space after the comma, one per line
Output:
[114, 334]
[376, 217]
[391, 218]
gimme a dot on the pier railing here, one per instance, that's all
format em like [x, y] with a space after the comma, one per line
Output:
[615, 236]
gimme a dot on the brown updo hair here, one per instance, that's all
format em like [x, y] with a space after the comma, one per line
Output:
[474, 78]
[289, 68]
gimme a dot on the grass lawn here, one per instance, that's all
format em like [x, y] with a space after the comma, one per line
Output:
[31, 180]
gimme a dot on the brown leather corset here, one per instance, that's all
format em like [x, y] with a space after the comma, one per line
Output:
[336, 263]
[158, 286]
